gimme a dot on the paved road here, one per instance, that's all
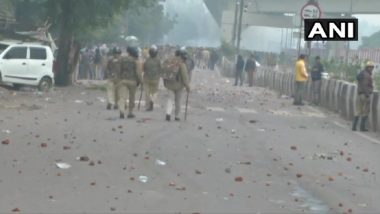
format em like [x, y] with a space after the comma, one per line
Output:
[242, 150]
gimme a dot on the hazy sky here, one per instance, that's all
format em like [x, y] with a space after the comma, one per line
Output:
[372, 19]
[259, 38]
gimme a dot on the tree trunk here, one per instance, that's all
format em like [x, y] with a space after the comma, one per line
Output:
[75, 61]
[63, 76]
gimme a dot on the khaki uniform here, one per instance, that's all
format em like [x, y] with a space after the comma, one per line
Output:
[152, 72]
[176, 86]
[363, 101]
[130, 77]
[363, 104]
[205, 58]
[251, 70]
[112, 71]
[365, 90]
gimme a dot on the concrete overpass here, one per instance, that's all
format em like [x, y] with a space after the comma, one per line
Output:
[284, 13]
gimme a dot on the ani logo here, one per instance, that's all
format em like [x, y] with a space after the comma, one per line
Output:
[331, 30]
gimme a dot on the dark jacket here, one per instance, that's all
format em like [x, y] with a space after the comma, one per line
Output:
[240, 64]
[365, 83]
[251, 65]
[316, 71]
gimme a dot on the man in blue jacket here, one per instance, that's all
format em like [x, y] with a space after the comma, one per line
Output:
[316, 77]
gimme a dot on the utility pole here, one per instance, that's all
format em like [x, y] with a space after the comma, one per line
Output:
[286, 39]
[282, 38]
[348, 43]
[240, 24]
[235, 23]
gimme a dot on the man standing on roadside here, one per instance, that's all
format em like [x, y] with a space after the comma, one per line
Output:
[239, 67]
[250, 68]
[316, 77]
[301, 80]
[363, 100]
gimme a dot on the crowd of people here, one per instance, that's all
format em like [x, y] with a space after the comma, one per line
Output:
[93, 60]
[126, 71]
[136, 68]
[365, 88]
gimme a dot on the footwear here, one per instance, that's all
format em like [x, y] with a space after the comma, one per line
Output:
[177, 119]
[122, 115]
[115, 107]
[130, 116]
[355, 123]
[167, 117]
[109, 106]
[363, 123]
[150, 107]
[299, 104]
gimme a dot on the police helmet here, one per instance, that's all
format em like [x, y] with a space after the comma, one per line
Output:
[369, 64]
[153, 50]
[133, 51]
[181, 52]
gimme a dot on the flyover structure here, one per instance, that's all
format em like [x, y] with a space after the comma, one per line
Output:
[284, 13]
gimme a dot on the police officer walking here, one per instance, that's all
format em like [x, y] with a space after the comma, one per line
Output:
[111, 74]
[175, 77]
[152, 72]
[130, 79]
[363, 101]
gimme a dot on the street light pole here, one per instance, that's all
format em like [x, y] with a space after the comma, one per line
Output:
[235, 23]
[240, 24]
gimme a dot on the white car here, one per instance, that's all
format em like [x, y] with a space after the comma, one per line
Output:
[26, 64]
[325, 75]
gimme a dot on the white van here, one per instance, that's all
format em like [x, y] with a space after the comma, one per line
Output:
[26, 64]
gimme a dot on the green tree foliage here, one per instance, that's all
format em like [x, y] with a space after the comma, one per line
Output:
[340, 70]
[85, 20]
[149, 24]
[372, 41]
[72, 18]
[227, 50]
[6, 10]
[29, 13]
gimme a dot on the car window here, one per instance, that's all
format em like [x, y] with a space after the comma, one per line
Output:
[3, 47]
[16, 53]
[38, 53]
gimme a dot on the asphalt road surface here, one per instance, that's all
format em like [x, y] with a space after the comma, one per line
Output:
[242, 150]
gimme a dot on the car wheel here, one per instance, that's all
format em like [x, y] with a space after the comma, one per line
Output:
[45, 84]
